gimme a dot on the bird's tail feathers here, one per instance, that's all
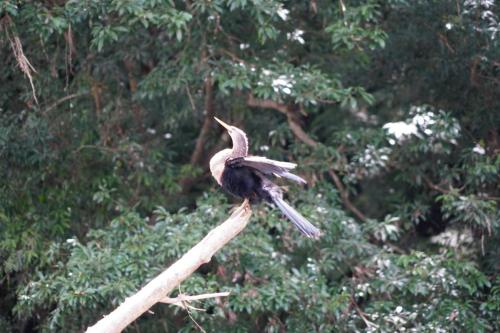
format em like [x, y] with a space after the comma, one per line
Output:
[297, 219]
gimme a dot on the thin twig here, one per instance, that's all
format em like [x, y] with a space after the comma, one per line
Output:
[191, 100]
[193, 320]
[64, 99]
[446, 42]
[17, 49]
[362, 314]
[233, 56]
[186, 298]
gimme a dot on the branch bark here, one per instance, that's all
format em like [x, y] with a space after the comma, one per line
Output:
[207, 123]
[64, 99]
[344, 195]
[299, 132]
[133, 84]
[158, 288]
[266, 104]
[183, 300]
[292, 118]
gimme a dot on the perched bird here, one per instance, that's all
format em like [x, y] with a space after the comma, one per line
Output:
[247, 176]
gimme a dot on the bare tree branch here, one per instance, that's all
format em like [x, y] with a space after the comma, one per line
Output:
[17, 49]
[182, 299]
[158, 288]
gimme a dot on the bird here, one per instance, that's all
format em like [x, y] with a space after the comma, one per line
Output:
[249, 177]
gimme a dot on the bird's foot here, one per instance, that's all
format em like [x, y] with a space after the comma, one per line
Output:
[244, 206]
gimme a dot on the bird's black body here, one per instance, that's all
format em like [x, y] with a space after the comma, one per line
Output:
[249, 183]
[249, 177]
[243, 182]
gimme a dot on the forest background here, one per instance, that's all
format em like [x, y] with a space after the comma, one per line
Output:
[391, 109]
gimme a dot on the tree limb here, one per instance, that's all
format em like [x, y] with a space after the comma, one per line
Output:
[182, 299]
[433, 186]
[133, 84]
[64, 99]
[293, 122]
[368, 323]
[266, 104]
[207, 123]
[344, 195]
[299, 132]
[158, 288]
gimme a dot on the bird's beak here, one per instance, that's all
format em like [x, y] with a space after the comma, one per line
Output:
[226, 126]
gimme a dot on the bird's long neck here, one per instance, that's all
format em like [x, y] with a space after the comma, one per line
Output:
[240, 144]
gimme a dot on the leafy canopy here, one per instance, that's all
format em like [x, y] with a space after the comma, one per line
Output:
[389, 107]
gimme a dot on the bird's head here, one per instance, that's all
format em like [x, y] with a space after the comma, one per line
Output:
[239, 138]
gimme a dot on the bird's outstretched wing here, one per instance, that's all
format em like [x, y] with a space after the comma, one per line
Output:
[268, 167]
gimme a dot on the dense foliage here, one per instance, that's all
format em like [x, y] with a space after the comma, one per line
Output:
[391, 108]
